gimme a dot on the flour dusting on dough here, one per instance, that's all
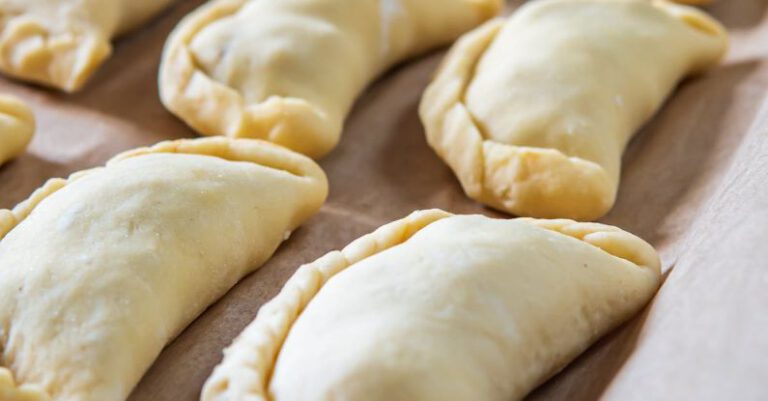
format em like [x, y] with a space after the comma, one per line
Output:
[389, 11]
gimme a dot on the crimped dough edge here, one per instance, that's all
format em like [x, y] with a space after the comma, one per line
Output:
[11, 218]
[213, 108]
[29, 51]
[17, 126]
[523, 181]
[609, 239]
[694, 2]
[248, 362]
[263, 153]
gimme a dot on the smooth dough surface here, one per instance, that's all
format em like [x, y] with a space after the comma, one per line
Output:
[288, 71]
[102, 270]
[437, 307]
[533, 113]
[60, 43]
[17, 126]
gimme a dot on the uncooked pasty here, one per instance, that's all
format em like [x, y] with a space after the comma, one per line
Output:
[17, 125]
[102, 270]
[533, 113]
[60, 43]
[437, 307]
[288, 71]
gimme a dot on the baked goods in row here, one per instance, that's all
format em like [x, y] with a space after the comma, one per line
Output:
[103, 269]
[100, 271]
[288, 71]
[440, 307]
[533, 112]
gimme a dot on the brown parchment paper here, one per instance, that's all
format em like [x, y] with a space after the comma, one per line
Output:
[695, 184]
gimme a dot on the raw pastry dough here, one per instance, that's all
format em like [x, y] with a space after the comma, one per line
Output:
[288, 71]
[17, 125]
[60, 43]
[533, 113]
[104, 269]
[440, 308]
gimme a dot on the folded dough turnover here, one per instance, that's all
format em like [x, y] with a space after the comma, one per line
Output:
[60, 43]
[440, 307]
[104, 269]
[17, 125]
[288, 71]
[533, 113]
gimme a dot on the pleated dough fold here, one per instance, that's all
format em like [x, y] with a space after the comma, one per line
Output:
[60, 43]
[533, 113]
[288, 71]
[440, 307]
[100, 271]
[17, 126]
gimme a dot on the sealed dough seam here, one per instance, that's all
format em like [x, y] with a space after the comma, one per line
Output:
[252, 355]
[255, 151]
[609, 239]
[65, 60]
[11, 218]
[506, 177]
[262, 153]
[213, 108]
[694, 2]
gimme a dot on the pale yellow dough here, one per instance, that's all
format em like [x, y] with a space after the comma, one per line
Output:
[105, 268]
[60, 43]
[694, 2]
[288, 71]
[533, 113]
[17, 125]
[436, 307]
